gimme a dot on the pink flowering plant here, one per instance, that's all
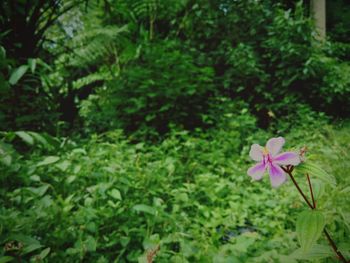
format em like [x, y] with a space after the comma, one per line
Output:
[269, 158]
[279, 165]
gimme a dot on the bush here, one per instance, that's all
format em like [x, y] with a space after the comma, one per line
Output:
[164, 86]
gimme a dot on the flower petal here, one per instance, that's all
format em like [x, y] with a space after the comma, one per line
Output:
[274, 145]
[287, 158]
[277, 175]
[256, 152]
[257, 171]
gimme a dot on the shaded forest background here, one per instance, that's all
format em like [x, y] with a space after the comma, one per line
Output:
[126, 126]
[90, 66]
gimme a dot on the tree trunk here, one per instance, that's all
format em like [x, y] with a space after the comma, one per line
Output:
[318, 11]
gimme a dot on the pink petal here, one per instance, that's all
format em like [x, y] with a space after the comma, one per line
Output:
[287, 158]
[256, 152]
[257, 171]
[277, 175]
[274, 145]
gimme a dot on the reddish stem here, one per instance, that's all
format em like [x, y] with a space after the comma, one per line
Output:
[311, 192]
[289, 170]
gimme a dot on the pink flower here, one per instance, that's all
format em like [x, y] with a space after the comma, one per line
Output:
[268, 158]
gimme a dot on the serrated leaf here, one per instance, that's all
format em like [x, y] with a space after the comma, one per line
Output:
[309, 228]
[18, 74]
[145, 208]
[25, 137]
[315, 171]
[48, 160]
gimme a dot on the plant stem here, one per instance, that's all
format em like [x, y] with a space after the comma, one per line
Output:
[312, 193]
[289, 170]
[333, 245]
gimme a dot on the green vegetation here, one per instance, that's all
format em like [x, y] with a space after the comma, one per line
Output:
[126, 126]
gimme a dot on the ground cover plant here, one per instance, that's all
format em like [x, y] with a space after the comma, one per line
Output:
[152, 131]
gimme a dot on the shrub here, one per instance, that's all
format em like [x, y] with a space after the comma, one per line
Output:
[163, 86]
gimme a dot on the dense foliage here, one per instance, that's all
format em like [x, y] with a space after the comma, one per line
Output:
[126, 125]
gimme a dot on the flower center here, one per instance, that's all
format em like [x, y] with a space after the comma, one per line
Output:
[267, 157]
[265, 151]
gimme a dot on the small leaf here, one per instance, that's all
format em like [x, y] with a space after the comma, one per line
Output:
[18, 74]
[25, 137]
[145, 208]
[32, 64]
[40, 191]
[48, 160]
[63, 165]
[43, 254]
[309, 227]
[115, 193]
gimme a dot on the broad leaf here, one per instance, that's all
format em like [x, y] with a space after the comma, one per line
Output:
[309, 228]
[316, 252]
[30, 248]
[43, 254]
[115, 193]
[18, 74]
[145, 209]
[26, 137]
[48, 160]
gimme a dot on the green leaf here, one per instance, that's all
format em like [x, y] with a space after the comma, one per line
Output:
[63, 165]
[309, 227]
[316, 252]
[315, 170]
[48, 160]
[43, 254]
[115, 193]
[32, 64]
[18, 74]
[90, 244]
[6, 160]
[39, 138]
[30, 248]
[25, 137]
[145, 208]
[40, 191]
[6, 259]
